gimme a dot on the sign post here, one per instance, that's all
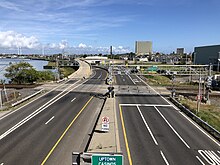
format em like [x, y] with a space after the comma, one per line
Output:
[105, 124]
[104, 159]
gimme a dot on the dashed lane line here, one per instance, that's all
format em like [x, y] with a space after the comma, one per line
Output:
[64, 133]
[172, 128]
[148, 128]
[50, 120]
[73, 100]
[164, 158]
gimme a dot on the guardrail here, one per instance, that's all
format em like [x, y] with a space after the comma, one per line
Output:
[26, 98]
[195, 118]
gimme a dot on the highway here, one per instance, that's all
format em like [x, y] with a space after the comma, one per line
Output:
[50, 128]
[153, 131]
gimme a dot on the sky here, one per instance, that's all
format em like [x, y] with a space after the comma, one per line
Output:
[92, 26]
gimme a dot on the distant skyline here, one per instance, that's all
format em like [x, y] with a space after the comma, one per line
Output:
[92, 26]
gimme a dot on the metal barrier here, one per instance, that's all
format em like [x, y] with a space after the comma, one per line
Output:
[199, 121]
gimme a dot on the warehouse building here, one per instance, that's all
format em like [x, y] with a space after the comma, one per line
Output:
[207, 55]
[143, 48]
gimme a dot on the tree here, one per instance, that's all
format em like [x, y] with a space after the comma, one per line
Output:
[21, 73]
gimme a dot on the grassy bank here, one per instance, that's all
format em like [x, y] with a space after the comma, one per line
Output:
[208, 113]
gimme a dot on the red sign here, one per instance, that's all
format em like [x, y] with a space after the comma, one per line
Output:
[199, 97]
[105, 120]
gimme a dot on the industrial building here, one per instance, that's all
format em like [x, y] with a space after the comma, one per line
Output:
[143, 48]
[207, 55]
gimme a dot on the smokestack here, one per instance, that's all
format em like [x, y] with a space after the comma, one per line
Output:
[110, 50]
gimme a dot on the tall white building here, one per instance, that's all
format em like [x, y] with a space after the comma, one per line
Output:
[143, 47]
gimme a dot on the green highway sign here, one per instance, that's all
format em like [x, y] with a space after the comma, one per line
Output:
[106, 159]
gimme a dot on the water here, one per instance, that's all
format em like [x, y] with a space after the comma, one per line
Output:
[4, 63]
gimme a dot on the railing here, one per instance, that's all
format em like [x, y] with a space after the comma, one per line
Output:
[199, 121]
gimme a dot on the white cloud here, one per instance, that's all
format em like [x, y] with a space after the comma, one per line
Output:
[81, 45]
[11, 39]
[63, 44]
[9, 5]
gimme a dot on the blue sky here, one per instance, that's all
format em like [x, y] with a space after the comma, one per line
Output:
[91, 26]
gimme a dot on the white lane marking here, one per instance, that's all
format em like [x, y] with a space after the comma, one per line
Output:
[199, 128]
[210, 157]
[50, 120]
[73, 100]
[157, 92]
[164, 158]
[148, 128]
[146, 105]
[218, 151]
[34, 100]
[2, 164]
[200, 160]
[189, 119]
[39, 110]
[100, 76]
[131, 79]
[172, 128]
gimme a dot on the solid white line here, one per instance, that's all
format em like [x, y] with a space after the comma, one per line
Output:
[164, 158]
[50, 120]
[200, 160]
[146, 105]
[154, 90]
[172, 128]
[33, 100]
[199, 128]
[73, 100]
[131, 79]
[148, 128]
[39, 110]
[190, 120]
[2, 163]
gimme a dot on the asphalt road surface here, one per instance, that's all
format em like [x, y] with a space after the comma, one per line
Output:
[154, 132]
[50, 128]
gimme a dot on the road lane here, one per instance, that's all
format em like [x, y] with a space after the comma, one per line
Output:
[8, 121]
[34, 139]
[179, 141]
[141, 145]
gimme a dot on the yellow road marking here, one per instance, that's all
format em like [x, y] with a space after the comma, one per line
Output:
[61, 137]
[125, 137]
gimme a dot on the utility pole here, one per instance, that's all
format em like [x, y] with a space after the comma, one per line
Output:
[173, 90]
[218, 60]
[199, 94]
[0, 98]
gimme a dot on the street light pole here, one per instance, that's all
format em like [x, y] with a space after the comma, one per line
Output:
[0, 98]
[199, 94]
[218, 60]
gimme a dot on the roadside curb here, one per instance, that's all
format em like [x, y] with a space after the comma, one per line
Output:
[106, 141]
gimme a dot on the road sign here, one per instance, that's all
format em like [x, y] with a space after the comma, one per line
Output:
[105, 120]
[104, 159]
[105, 123]
[199, 97]
[105, 127]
